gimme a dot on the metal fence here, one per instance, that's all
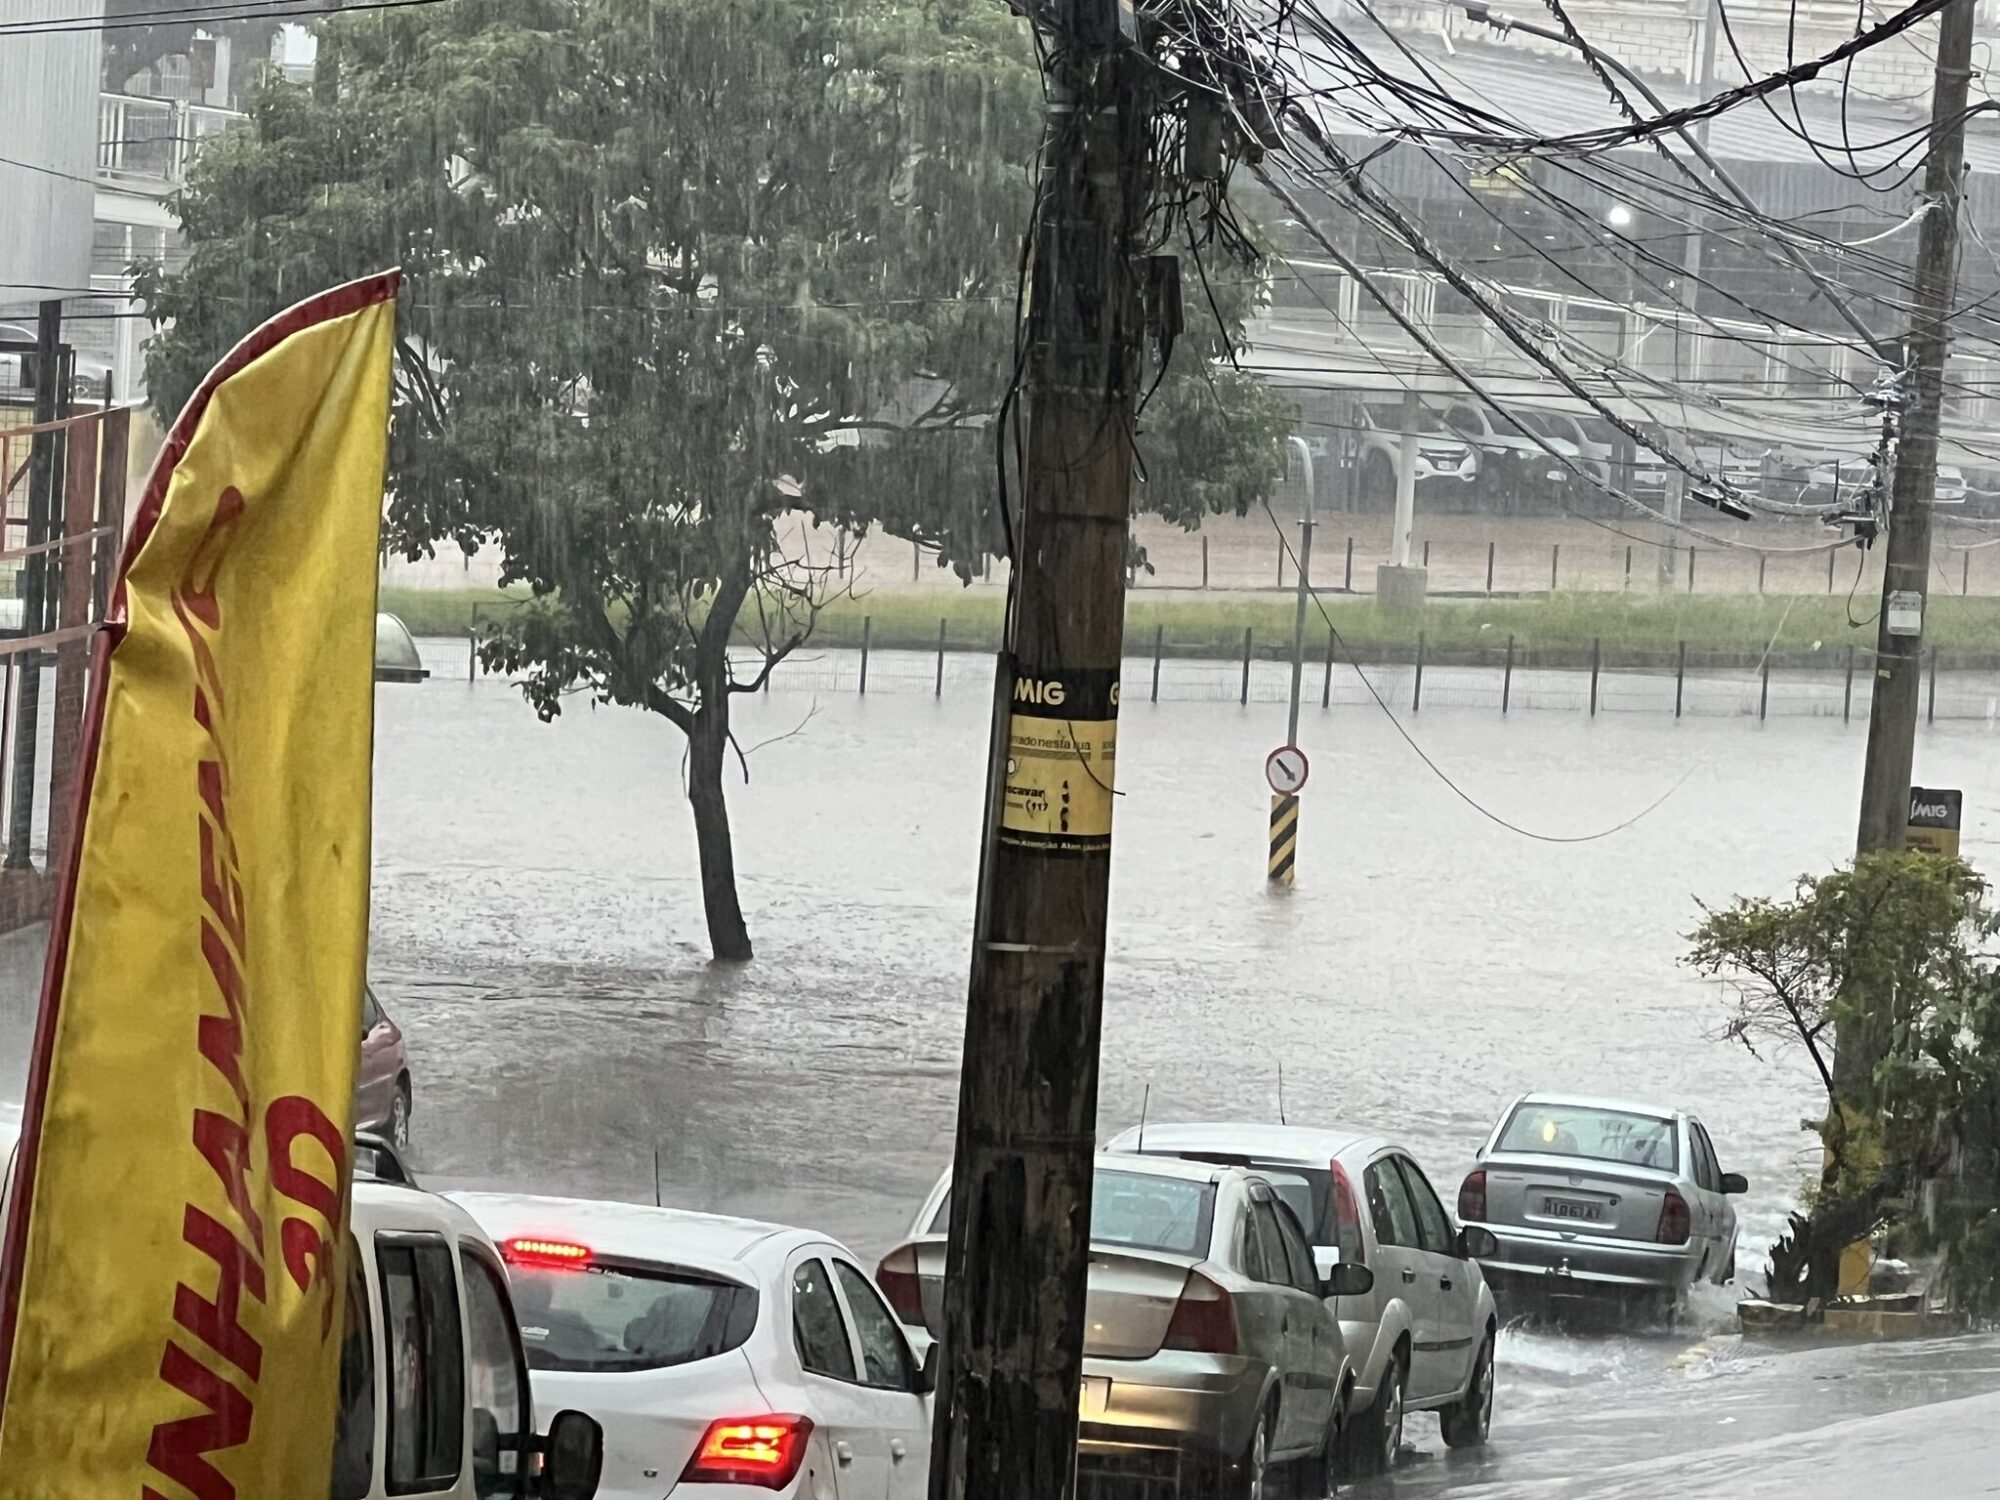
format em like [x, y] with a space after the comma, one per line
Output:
[1831, 684]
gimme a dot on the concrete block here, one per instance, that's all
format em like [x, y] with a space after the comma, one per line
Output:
[1401, 589]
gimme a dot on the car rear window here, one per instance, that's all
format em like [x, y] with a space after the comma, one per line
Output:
[1593, 1134]
[1137, 1211]
[610, 1318]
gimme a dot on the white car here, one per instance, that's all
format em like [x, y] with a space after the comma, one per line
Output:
[1441, 459]
[1422, 1339]
[447, 1366]
[716, 1352]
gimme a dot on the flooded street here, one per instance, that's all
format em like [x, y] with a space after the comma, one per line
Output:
[537, 932]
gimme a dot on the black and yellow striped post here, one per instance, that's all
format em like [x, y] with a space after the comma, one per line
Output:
[1284, 836]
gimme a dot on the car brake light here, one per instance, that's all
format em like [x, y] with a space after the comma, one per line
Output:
[1204, 1319]
[545, 1255]
[1472, 1198]
[1675, 1224]
[897, 1276]
[1346, 1216]
[764, 1451]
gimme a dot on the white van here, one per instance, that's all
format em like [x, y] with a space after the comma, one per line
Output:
[434, 1398]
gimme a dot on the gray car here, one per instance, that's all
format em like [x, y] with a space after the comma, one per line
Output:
[1210, 1356]
[1602, 1197]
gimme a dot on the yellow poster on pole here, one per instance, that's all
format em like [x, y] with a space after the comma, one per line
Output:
[170, 1292]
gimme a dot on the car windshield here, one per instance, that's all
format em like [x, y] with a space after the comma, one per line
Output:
[1390, 419]
[603, 1318]
[1595, 1134]
[1139, 1211]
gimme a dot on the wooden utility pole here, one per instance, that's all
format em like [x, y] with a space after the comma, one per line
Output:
[1020, 1201]
[1899, 645]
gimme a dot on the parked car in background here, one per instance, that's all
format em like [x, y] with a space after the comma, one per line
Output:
[716, 1352]
[1592, 437]
[1210, 1354]
[1598, 1197]
[1443, 460]
[1515, 462]
[382, 1098]
[1422, 1337]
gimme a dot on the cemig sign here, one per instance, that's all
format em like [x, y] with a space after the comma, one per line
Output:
[1935, 815]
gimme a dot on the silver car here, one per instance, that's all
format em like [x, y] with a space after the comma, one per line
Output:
[1210, 1355]
[1601, 1196]
[1422, 1338]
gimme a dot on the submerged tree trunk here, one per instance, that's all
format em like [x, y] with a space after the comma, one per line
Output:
[708, 746]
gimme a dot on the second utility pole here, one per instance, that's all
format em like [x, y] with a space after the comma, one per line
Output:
[1899, 645]
[1013, 1329]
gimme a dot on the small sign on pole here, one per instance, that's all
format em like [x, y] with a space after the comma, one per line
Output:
[1934, 818]
[1286, 768]
[1906, 612]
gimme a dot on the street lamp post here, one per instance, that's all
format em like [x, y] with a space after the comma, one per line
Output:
[1305, 589]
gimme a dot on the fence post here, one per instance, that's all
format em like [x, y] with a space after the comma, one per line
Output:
[1596, 662]
[1831, 553]
[1555, 562]
[1326, 687]
[1204, 562]
[938, 692]
[1930, 713]
[1965, 571]
[1680, 677]
[471, 656]
[867, 630]
[1628, 565]
[1159, 635]
[1427, 552]
[1691, 552]
[1347, 584]
[1245, 698]
[1763, 559]
[1507, 678]
[1489, 566]
[1847, 696]
[1764, 689]
[916, 563]
[1417, 688]
[1281, 562]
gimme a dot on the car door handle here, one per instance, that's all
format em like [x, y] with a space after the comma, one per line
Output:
[1408, 1274]
[897, 1451]
[843, 1453]
[1445, 1282]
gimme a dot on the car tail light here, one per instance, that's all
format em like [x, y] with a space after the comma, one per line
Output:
[1346, 1216]
[545, 1255]
[897, 1276]
[764, 1451]
[1675, 1224]
[1472, 1198]
[1204, 1319]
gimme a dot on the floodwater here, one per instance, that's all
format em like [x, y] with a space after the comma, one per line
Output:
[537, 932]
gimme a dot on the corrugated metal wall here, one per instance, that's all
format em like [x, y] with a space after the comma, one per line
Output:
[48, 149]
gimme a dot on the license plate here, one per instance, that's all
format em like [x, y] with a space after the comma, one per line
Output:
[1566, 1208]
[1096, 1397]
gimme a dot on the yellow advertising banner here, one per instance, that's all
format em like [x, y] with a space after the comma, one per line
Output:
[170, 1308]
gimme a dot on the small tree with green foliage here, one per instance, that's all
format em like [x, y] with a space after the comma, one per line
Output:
[1899, 948]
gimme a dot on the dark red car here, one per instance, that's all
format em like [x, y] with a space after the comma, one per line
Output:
[382, 1085]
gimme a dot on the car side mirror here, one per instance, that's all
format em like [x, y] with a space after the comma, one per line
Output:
[927, 1373]
[1475, 1243]
[572, 1457]
[1734, 1183]
[1348, 1279]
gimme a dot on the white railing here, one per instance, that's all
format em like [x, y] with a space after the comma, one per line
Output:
[151, 142]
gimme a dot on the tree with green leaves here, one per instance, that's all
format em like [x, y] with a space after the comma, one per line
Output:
[1902, 946]
[681, 275]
